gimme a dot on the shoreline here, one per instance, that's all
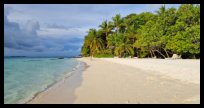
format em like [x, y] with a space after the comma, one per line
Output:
[80, 67]
[106, 82]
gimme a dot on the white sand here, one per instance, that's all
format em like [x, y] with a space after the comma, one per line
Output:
[114, 82]
[186, 70]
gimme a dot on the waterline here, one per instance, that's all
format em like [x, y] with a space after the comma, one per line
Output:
[24, 80]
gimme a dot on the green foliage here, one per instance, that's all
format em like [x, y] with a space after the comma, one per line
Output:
[123, 46]
[148, 35]
[103, 55]
[186, 31]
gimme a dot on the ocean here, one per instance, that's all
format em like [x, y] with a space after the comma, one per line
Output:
[25, 77]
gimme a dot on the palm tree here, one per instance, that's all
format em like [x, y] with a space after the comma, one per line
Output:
[123, 46]
[161, 11]
[118, 23]
[131, 33]
[106, 27]
[111, 41]
[132, 36]
[85, 48]
[95, 42]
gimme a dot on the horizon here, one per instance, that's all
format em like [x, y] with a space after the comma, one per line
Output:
[45, 30]
[42, 56]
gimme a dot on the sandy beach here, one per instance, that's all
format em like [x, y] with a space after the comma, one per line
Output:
[128, 81]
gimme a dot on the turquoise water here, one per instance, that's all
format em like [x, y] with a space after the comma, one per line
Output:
[25, 77]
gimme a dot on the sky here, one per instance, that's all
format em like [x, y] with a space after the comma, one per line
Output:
[58, 29]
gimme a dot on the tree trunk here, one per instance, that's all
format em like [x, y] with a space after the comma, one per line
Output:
[194, 56]
[91, 55]
[151, 53]
[160, 53]
[138, 52]
[166, 53]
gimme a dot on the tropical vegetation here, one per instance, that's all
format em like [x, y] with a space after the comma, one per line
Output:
[160, 34]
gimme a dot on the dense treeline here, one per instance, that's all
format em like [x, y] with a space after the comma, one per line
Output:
[169, 31]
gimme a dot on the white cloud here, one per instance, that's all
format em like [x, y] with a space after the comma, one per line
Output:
[58, 32]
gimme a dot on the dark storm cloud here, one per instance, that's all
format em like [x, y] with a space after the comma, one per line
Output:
[16, 38]
[26, 41]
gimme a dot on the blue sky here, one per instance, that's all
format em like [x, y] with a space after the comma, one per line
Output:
[58, 29]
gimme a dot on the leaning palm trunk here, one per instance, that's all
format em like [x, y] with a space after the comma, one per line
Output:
[166, 52]
[160, 53]
[152, 51]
